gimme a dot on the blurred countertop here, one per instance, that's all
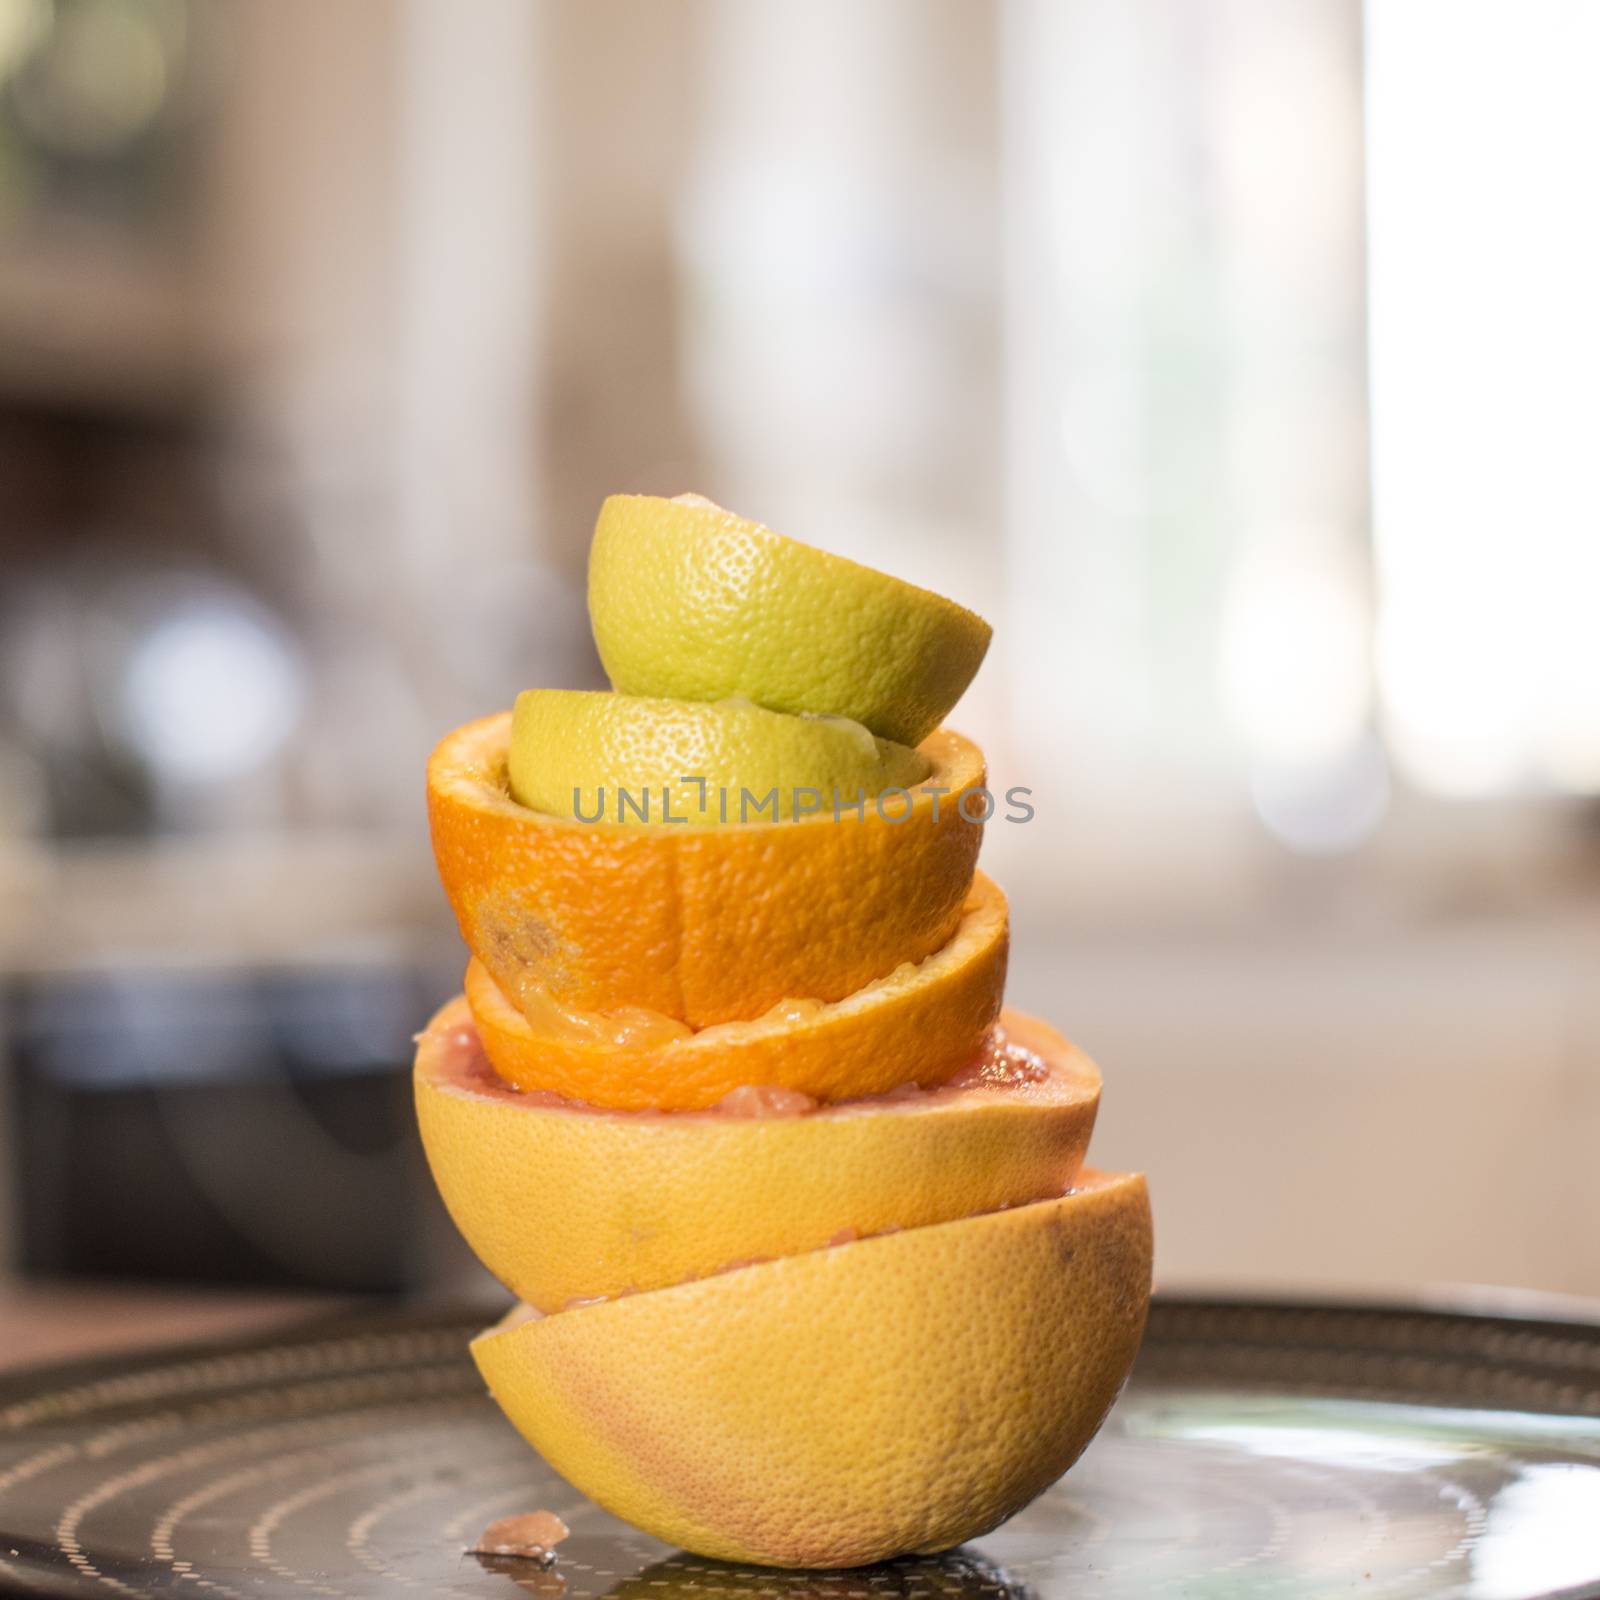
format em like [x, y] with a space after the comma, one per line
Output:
[271, 899]
[49, 1322]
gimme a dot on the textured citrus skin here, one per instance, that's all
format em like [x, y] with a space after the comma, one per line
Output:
[897, 1394]
[703, 924]
[563, 1203]
[921, 1024]
[691, 602]
[574, 750]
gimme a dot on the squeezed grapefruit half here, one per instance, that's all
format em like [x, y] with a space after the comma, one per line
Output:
[893, 1395]
[564, 1202]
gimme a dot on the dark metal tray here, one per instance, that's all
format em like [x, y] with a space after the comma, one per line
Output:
[1260, 1450]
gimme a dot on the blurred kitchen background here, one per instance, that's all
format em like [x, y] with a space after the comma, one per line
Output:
[1238, 360]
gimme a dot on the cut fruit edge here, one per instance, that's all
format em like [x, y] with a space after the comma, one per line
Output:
[885, 1415]
[549, 1193]
[921, 1024]
[1116, 1193]
[470, 766]
[610, 915]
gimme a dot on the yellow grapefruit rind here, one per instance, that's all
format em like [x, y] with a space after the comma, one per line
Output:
[899, 1394]
[562, 1203]
[921, 1024]
[671, 917]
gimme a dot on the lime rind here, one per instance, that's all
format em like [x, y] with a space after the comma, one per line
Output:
[689, 602]
[606, 757]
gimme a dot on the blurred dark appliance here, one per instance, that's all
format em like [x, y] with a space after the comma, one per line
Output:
[222, 1126]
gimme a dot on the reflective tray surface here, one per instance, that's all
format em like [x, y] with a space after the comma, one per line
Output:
[1260, 1450]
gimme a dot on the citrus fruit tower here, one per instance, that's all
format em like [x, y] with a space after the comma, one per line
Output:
[810, 1269]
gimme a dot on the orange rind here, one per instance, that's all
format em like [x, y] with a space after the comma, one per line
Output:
[919, 1025]
[703, 924]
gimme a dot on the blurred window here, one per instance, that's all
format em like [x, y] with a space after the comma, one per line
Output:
[1483, 126]
[1231, 356]
[1181, 214]
[1187, 527]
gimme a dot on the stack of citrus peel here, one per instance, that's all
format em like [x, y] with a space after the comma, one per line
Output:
[812, 1271]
